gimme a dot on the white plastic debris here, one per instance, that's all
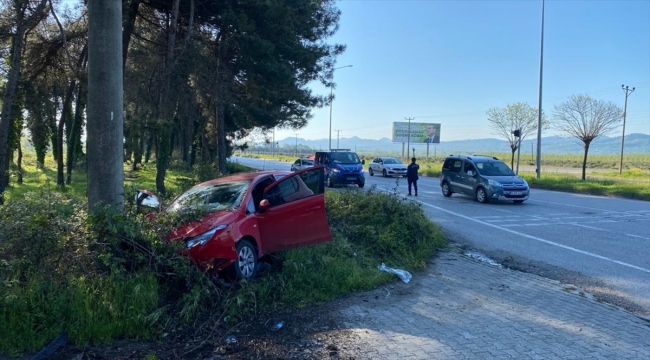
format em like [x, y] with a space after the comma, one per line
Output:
[403, 274]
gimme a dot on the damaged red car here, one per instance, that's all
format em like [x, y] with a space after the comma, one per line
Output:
[247, 216]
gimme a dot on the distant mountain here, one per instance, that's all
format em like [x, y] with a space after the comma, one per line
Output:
[634, 144]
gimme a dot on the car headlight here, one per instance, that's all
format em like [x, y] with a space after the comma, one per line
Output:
[336, 170]
[494, 183]
[525, 182]
[203, 238]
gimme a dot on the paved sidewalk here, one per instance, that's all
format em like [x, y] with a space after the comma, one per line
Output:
[463, 308]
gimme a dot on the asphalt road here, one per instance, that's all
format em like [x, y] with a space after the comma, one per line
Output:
[598, 243]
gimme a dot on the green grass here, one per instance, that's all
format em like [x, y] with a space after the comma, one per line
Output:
[113, 276]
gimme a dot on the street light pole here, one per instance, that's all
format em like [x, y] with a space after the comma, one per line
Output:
[331, 99]
[538, 163]
[627, 93]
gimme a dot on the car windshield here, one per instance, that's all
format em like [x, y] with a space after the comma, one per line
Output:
[494, 168]
[345, 158]
[308, 162]
[212, 197]
[391, 161]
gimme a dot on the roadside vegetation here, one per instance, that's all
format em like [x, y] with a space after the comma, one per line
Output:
[113, 276]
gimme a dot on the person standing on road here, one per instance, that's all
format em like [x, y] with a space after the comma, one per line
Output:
[412, 176]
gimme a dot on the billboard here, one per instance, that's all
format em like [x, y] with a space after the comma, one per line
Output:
[421, 133]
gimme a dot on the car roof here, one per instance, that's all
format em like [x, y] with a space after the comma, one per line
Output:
[245, 176]
[481, 158]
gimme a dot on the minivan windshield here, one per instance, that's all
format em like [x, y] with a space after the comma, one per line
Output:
[345, 158]
[494, 168]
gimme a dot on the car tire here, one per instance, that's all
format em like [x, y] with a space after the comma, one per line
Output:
[361, 185]
[245, 267]
[518, 201]
[446, 191]
[384, 173]
[371, 172]
[330, 183]
[481, 196]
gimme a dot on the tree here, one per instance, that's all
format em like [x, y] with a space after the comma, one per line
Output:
[586, 118]
[519, 116]
[26, 15]
[105, 121]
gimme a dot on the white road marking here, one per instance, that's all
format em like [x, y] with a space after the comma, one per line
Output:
[553, 243]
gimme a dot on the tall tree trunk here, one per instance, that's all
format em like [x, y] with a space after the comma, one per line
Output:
[129, 25]
[221, 139]
[66, 114]
[105, 105]
[584, 159]
[74, 141]
[164, 113]
[18, 42]
[19, 163]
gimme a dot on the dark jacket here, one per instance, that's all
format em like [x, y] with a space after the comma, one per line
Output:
[412, 171]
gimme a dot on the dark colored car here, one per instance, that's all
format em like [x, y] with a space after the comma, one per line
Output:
[484, 178]
[247, 216]
[342, 167]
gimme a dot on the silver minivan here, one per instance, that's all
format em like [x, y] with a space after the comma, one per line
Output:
[484, 178]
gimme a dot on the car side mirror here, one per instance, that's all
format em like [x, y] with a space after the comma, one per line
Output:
[146, 199]
[264, 205]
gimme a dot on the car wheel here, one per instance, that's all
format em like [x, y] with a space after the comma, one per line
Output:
[481, 195]
[517, 201]
[361, 185]
[446, 191]
[370, 172]
[384, 173]
[330, 183]
[246, 263]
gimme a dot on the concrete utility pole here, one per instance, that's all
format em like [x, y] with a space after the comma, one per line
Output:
[296, 144]
[408, 145]
[332, 99]
[337, 138]
[539, 106]
[627, 93]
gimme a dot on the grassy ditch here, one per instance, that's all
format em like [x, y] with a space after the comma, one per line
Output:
[109, 277]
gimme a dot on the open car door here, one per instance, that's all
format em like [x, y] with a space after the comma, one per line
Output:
[294, 214]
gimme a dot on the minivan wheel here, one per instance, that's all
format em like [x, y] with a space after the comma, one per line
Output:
[361, 185]
[246, 263]
[481, 195]
[446, 191]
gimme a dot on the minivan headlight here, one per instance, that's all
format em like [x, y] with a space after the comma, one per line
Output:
[335, 170]
[494, 183]
[203, 238]
[525, 182]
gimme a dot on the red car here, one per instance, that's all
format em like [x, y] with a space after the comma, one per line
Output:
[249, 215]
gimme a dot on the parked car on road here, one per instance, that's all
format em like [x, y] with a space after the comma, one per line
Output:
[387, 166]
[302, 163]
[484, 178]
[248, 216]
[342, 167]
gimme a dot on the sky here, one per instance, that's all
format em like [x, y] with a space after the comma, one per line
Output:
[448, 62]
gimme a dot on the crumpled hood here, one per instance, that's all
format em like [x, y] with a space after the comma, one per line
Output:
[198, 227]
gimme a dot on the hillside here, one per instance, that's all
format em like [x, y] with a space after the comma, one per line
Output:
[603, 145]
